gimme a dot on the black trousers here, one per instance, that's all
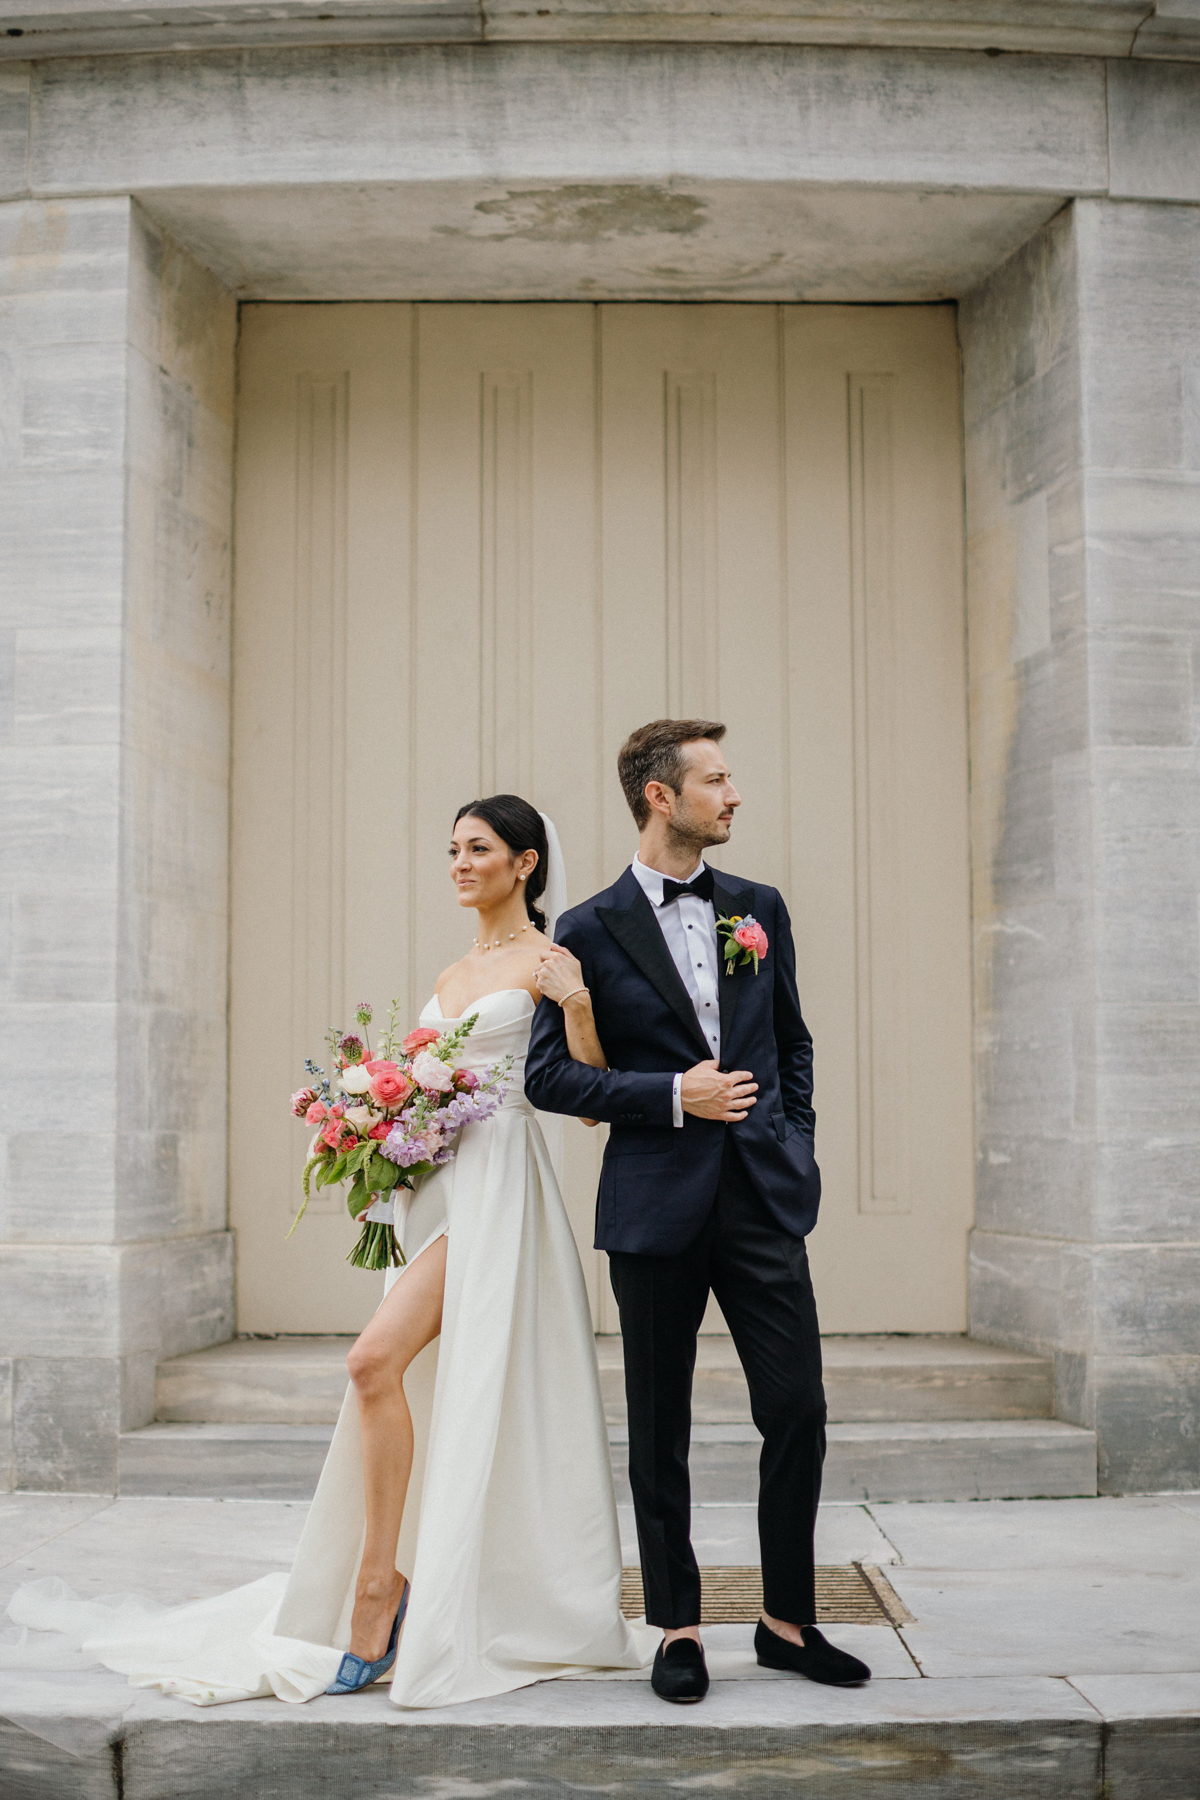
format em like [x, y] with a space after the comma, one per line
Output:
[760, 1277]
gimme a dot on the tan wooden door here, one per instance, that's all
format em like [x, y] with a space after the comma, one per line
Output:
[475, 546]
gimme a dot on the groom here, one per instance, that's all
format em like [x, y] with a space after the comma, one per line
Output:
[708, 1184]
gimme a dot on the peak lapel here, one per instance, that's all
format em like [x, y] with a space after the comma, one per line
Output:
[638, 932]
[727, 901]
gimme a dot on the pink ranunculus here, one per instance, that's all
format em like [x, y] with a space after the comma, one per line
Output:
[334, 1131]
[417, 1040]
[380, 1131]
[751, 936]
[466, 1080]
[431, 1074]
[378, 1062]
[316, 1112]
[389, 1087]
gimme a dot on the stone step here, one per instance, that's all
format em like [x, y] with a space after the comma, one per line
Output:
[996, 1459]
[225, 1462]
[870, 1379]
[758, 1736]
[901, 1460]
[301, 1381]
[255, 1381]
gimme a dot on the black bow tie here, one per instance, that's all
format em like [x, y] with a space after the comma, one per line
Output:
[700, 885]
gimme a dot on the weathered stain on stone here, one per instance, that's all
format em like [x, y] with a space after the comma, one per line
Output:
[581, 213]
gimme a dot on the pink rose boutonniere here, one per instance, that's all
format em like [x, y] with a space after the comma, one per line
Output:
[743, 940]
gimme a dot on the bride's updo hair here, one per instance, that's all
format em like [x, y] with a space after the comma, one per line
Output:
[520, 825]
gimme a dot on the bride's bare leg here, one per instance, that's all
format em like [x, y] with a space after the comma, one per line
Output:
[409, 1318]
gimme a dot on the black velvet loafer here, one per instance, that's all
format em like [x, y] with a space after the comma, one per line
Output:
[680, 1672]
[819, 1660]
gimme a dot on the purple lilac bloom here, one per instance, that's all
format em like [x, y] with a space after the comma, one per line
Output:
[399, 1148]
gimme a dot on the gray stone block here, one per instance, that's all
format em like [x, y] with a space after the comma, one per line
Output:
[77, 1168]
[1147, 1188]
[64, 946]
[8, 656]
[177, 1293]
[1024, 870]
[1148, 1068]
[1153, 115]
[67, 686]
[1144, 549]
[1145, 1299]
[34, 1767]
[61, 549]
[1147, 833]
[372, 115]
[1016, 327]
[1134, 343]
[1151, 1759]
[1029, 1184]
[28, 1033]
[1142, 689]
[14, 128]
[1014, 1289]
[66, 1417]
[1146, 1411]
[60, 1300]
[137, 1389]
[73, 406]
[1147, 947]
[7, 1462]
[60, 809]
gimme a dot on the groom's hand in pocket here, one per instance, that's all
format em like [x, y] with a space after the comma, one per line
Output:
[710, 1094]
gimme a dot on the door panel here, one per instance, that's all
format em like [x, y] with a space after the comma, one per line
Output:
[476, 545]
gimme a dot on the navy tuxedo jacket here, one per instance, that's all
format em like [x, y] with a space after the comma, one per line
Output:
[658, 1182]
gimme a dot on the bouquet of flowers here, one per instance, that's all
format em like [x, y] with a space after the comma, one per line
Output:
[383, 1119]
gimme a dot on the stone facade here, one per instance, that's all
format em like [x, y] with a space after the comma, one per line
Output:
[1054, 195]
[114, 571]
[1083, 483]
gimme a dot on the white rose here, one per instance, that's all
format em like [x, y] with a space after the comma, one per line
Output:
[354, 1080]
[361, 1117]
[431, 1074]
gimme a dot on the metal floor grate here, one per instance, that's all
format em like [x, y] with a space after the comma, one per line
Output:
[847, 1594]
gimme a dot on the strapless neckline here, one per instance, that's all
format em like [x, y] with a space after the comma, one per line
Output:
[496, 994]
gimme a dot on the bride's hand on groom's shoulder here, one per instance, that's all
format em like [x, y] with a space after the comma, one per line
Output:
[558, 974]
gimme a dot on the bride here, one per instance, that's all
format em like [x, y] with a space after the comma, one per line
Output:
[467, 1495]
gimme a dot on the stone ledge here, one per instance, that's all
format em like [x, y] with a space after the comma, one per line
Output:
[906, 1460]
[953, 1739]
[1108, 28]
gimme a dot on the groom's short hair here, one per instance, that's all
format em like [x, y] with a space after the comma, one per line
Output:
[654, 752]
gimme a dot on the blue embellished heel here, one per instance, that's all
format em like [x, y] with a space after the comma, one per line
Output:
[354, 1674]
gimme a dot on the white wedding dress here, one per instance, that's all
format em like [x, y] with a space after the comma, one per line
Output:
[510, 1532]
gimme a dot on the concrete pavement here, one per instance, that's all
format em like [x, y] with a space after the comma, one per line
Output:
[1054, 1651]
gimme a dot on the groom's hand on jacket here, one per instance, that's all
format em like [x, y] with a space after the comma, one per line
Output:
[710, 1094]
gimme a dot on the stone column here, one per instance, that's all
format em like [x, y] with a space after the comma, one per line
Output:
[1082, 409]
[116, 395]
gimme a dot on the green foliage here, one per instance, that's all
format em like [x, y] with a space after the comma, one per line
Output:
[312, 1163]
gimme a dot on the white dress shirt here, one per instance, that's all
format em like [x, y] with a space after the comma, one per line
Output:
[689, 926]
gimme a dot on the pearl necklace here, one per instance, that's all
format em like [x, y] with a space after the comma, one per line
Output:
[496, 945]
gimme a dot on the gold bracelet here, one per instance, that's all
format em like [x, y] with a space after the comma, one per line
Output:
[572, 994]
